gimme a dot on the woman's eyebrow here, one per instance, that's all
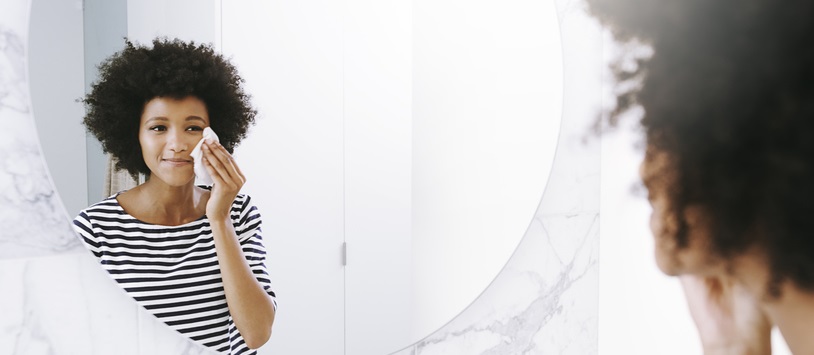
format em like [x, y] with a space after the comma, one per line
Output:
[195, 118]
[157, 118]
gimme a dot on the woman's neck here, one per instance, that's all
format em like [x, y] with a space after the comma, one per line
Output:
[169, 205]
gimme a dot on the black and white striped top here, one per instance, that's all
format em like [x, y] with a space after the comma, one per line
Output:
[172, 271]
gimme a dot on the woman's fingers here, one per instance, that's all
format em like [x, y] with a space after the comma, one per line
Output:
[212, 166]
[229, 163]
[224, 164]
[227, 179]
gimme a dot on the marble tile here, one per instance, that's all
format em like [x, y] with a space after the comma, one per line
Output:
[68, 305]
[64, 305]
[33, 217]
[543, 301]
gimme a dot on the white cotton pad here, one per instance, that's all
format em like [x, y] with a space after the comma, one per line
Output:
[197, 156]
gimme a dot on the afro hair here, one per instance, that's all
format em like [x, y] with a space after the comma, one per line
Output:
[171, 68]
[728, 95]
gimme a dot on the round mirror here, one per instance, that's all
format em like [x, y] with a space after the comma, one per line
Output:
[401, 151]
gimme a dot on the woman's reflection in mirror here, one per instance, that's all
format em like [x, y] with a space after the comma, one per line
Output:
[191, 255]
[727, 92]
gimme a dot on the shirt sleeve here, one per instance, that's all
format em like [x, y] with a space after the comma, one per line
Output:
[250, 236]
[83, 228]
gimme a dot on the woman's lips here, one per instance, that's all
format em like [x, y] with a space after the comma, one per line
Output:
[178, 162]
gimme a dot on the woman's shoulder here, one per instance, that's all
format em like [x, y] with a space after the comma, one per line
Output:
[108, 205]
[103, 211]
[243, 200]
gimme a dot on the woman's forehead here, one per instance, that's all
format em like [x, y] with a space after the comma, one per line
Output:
[168, 108]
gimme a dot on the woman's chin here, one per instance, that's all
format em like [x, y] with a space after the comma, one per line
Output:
[688, 262]
[668, 264]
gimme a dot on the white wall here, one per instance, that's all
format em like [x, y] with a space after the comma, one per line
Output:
[105, 23]
[56, 62]
[184, 19]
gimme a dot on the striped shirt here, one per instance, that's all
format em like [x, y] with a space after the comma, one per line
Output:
[172, 271]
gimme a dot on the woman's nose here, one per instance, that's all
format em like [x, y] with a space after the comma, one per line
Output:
[177, 142]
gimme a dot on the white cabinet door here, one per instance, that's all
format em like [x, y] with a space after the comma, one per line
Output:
[378, 175]
[290, 54]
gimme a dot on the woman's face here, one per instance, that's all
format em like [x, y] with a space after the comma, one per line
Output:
[169, 130]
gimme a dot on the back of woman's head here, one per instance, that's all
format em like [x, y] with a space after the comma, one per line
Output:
[728, 95]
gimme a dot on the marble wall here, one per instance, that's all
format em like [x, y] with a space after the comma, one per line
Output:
[31, 213]
[66, 304]
[56, 300]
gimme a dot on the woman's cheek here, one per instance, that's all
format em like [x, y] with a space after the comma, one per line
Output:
[664, 242]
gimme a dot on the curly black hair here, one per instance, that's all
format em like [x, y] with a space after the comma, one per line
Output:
[728, 94]
[171, 68]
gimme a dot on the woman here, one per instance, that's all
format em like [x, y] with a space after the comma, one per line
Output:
[191, 255]
[728, 100]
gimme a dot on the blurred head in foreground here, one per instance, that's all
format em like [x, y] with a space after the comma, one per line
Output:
[727, 94]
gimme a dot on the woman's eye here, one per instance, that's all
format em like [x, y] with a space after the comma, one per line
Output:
[194, 128]
[158, 128]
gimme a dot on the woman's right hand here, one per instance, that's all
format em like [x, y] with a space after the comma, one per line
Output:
[728, 317]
